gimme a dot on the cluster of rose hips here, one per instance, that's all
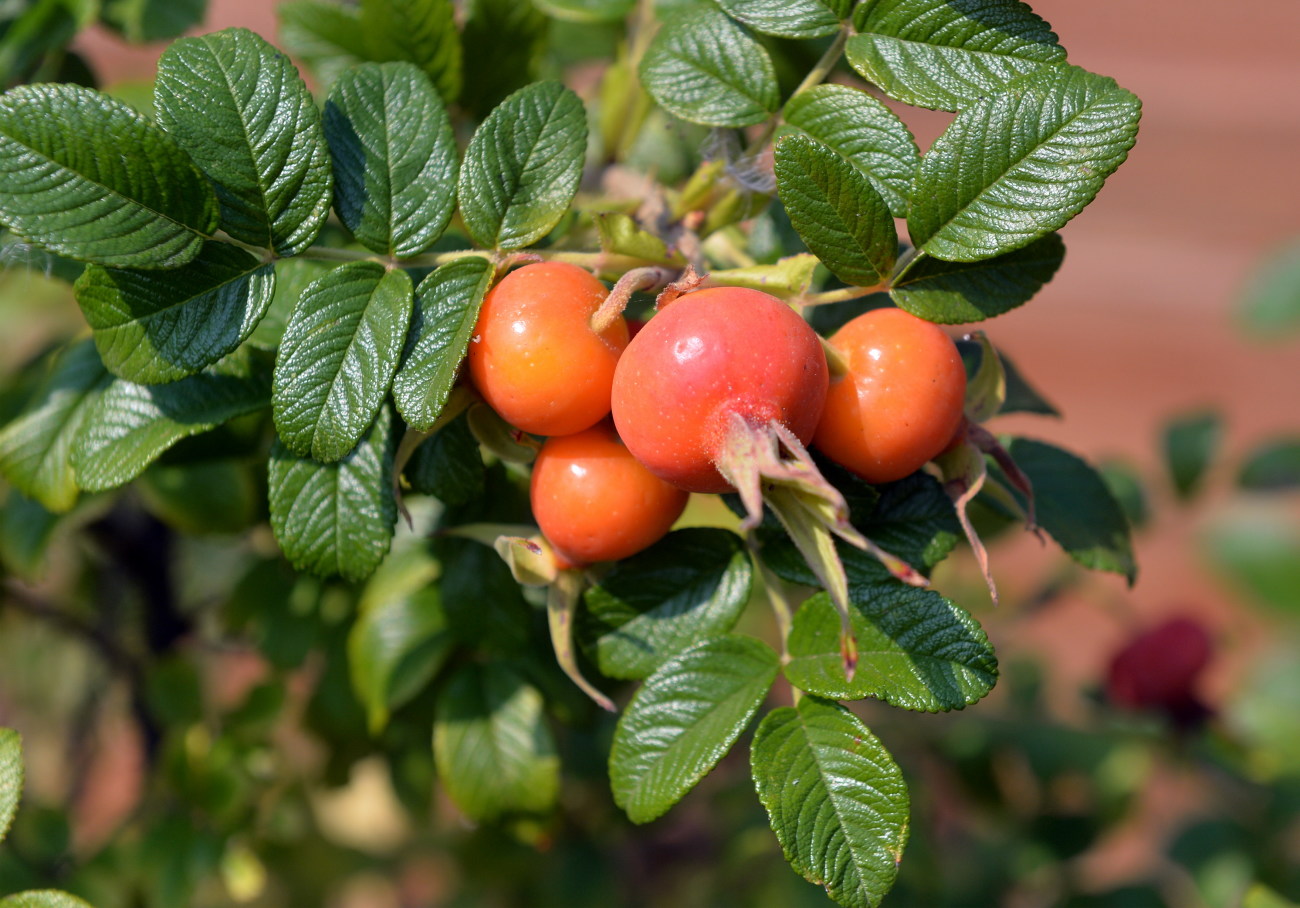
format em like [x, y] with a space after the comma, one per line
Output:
[704, 398]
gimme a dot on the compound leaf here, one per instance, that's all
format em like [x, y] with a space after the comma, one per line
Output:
[422, 32]
[1020, 163]
[11, 777]
[35, 448]
[400, 638]
[129, 424]
[836, 211]
[1274, 465]
[836, 799]
[394, 157]
[510, 40]
[240, 109]
[864, 132]
[446, 311]
[684, 719]
[916, 649]
[789, 18]
[145, 21]
[649, 607]
[491, 746]
[1076, 508]
[338, 356]
[336, 518]
[956, 293]
[87, 177]
[523, 165]
[153, 327]
[943, 54]
[705, 68]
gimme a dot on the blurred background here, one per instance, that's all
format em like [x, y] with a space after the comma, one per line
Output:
[1143, 747]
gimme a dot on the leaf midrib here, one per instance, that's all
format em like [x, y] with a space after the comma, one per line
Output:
[108, 189]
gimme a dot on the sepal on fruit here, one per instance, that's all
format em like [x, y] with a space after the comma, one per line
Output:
[561, 603]
[502, 439]
[812, 510]
[964, 473]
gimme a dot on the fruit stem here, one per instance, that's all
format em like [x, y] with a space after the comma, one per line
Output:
[648, 278]
[562, 598]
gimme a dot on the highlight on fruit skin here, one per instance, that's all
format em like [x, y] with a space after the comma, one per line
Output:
[534, 356]
[595, 502]
[708, 356]
[900, 401]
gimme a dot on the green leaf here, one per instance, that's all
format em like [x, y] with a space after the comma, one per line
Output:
[1273, 465]
[338, 357]
[836, 799]
[1018, 164]
[911, 518]
[35, 448]
[33, 34]
[336, 518]
[704, 68]
[446, 311]
[1270, 309]
[836, 211]
[693, 583]
[586, 10]
[789, 276]
[400, 637]
[87, 177]
[326, 36]
[1076, 508]
[43, 898]
[130, 425]
[956, 293]
[448, 466]
[146, 21]
[789, 18]
[1258, 550]
[864, 132]
[240, 109]
[943, 54]
[491, 746]
[509, 40]
[26, 529]
[485, 606]
[684, 719]
[394, 157]
[1021, 397]
[204, 498]
[916, 649]
[154, 327]
[522, 166]
[422, 32]
[11, 777]
[1190, 444]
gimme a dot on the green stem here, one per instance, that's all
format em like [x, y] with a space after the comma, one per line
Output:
[815, 77]
[842, 295]
[906, 264]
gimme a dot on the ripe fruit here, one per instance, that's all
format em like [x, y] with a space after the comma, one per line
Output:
[705, 358]
[900, 402]
[595, 502]
[535, 358]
